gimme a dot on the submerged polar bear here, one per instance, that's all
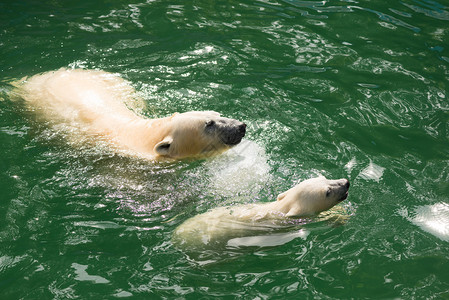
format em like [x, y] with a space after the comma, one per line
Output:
[96, 102]
[218, 226]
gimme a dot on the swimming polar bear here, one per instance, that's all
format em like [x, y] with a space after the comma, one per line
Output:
[96, 102]
[218, 226]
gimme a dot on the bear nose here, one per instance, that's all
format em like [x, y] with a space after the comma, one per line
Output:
[242, 128]
[346, 183]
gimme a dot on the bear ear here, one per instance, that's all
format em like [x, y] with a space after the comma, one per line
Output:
[163, 147]
[281, 196]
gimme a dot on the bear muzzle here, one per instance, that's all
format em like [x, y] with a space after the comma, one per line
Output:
[343, 189]
[232, 134]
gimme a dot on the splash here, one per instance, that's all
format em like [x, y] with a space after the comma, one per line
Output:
[241, 170]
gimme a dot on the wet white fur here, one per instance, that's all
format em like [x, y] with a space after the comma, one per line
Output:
[95, 102]
[308, 198]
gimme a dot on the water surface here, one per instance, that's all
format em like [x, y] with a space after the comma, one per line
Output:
[355, 89]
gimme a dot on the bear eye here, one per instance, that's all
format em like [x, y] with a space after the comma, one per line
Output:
[210, 123]
[328, 192]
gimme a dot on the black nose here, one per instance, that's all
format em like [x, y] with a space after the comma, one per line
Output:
[242, 128]
[347, 184]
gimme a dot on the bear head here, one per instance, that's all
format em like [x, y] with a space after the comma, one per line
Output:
[313, 196]
[199, 133]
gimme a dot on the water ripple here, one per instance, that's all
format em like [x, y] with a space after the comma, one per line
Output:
[431, 9]
[339, 88]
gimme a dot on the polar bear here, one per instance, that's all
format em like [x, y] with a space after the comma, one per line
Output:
[96, 102]
[218, 226]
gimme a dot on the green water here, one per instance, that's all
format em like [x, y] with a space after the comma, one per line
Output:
[355, 89]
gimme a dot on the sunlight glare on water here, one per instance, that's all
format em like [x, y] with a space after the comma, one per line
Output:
[432, 218]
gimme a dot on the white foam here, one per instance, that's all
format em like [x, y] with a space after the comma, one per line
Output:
[241, 169]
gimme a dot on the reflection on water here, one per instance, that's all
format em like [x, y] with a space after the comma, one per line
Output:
[82, 275]
[431, 218]
[267, 240]
[372, 172]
